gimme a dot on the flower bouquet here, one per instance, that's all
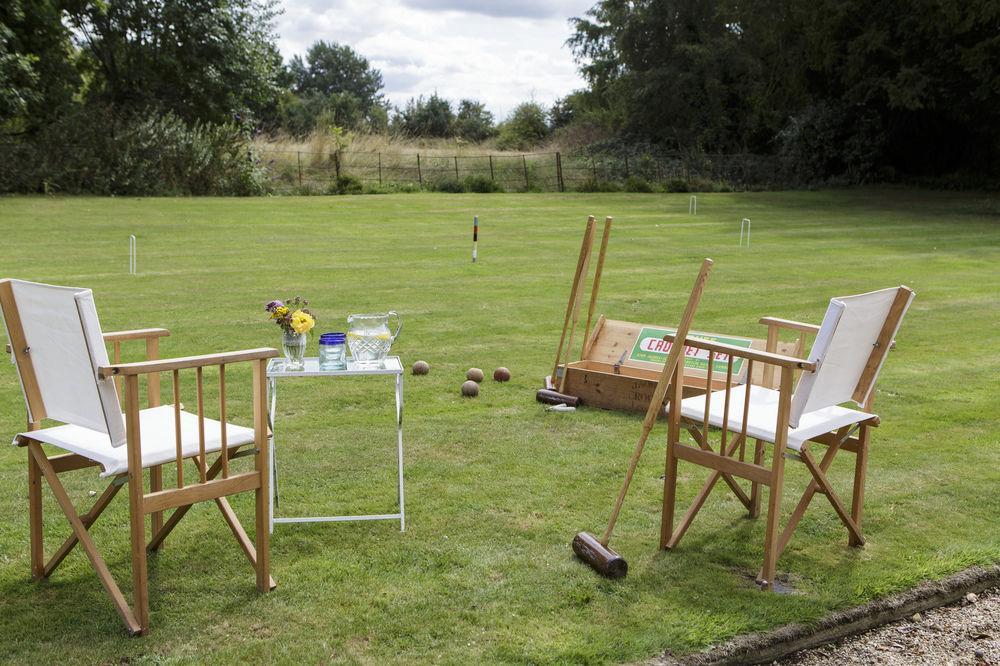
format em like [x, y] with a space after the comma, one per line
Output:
[295, 320]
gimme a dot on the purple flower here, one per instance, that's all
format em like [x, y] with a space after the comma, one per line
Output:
[273, 305]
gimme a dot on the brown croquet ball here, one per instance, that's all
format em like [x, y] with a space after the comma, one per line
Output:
[501, 374]
[475, 374]
[470, 389]
[421, 368]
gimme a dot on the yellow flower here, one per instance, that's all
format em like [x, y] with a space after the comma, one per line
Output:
[302, 322]
[279, 312]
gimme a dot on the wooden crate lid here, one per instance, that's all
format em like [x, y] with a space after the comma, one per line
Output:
[613, 341]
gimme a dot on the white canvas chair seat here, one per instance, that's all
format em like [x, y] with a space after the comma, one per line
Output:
[157, 436]
[763, 415]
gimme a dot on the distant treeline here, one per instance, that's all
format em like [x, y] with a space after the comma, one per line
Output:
[130, 96]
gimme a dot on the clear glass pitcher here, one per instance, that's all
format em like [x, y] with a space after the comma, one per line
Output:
[369, 338]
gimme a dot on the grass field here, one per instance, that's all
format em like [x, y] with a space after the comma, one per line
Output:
[496, 487]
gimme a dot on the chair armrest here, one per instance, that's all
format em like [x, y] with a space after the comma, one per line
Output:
[138, 334]
[789, 324]
[752, 354]
[168, 364]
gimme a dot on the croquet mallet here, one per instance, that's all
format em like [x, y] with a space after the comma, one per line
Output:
[588, 548]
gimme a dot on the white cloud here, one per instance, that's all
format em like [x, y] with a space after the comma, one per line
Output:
[500, 52]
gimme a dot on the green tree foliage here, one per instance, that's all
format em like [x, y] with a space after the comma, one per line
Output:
[330, 68]
[199, 59]
[431, 117]
[525, 128]
[847, 86]
[332, 86]
[37, 74]
[474, 122]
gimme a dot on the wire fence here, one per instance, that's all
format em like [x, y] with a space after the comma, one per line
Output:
[550, 171]
[136, 169]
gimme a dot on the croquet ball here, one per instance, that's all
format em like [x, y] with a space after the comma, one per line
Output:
[470, 389]
[475, 374]
[501, 374]
[421, 368]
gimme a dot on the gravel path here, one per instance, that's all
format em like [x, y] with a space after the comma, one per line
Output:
[964, 633]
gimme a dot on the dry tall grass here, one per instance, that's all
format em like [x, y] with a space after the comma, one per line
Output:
[325, 143]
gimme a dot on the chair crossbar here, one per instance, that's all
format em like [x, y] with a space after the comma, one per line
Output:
[743, 470]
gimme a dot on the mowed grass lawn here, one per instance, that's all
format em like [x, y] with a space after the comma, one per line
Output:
[496, 487]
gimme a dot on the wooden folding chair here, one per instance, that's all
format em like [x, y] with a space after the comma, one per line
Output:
[847, 355]
[62, 362]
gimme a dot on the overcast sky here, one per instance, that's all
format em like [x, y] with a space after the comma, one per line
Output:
[501, 52]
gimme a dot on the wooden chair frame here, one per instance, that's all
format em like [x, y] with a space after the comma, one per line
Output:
[727, 465]
[207, 486]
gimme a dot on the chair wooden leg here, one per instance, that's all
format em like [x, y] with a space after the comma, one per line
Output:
[771, 531]
[758, 458]
[35, 518]
[669, 494]
[262, 504]
[777, 482]
[86, 543]
[137, 513]
[156, 518]
[860, 472]
[137, 520]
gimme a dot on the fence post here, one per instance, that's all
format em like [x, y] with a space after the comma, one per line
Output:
[420, 175]
[559, 173]
[524, 163]
[491, 168]
[380, 169]
[626, 167]
[456, 167]
[298, 158]
[336, 163]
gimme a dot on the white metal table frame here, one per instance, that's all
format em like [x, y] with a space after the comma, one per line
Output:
[276, 370]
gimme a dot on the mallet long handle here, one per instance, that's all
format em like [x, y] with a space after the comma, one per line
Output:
[596, 286]
[656, 404]
[588, 238]
[576, 305]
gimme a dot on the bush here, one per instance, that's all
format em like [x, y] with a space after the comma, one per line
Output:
[636, 184]
[94, 152]
[677, 185]
[447, 185]
[525, 129]
[482, 184]
[347, 185]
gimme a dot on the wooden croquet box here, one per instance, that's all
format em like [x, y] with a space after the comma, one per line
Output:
[614, 374]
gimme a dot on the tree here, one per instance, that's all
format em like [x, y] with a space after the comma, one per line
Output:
[207, 60]
[674, 71]
[37, 74]
[850, 87]
[332, 69]
[474, 122]
[432, 117]
[525, 128]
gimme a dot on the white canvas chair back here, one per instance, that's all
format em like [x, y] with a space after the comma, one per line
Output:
[849, 350]
[58, 327]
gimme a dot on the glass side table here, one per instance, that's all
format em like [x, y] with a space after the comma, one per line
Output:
[276, 371]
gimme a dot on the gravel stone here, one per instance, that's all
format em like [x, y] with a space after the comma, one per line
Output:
[965, 633]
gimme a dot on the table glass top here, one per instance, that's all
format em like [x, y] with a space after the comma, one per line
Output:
[391, 365]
